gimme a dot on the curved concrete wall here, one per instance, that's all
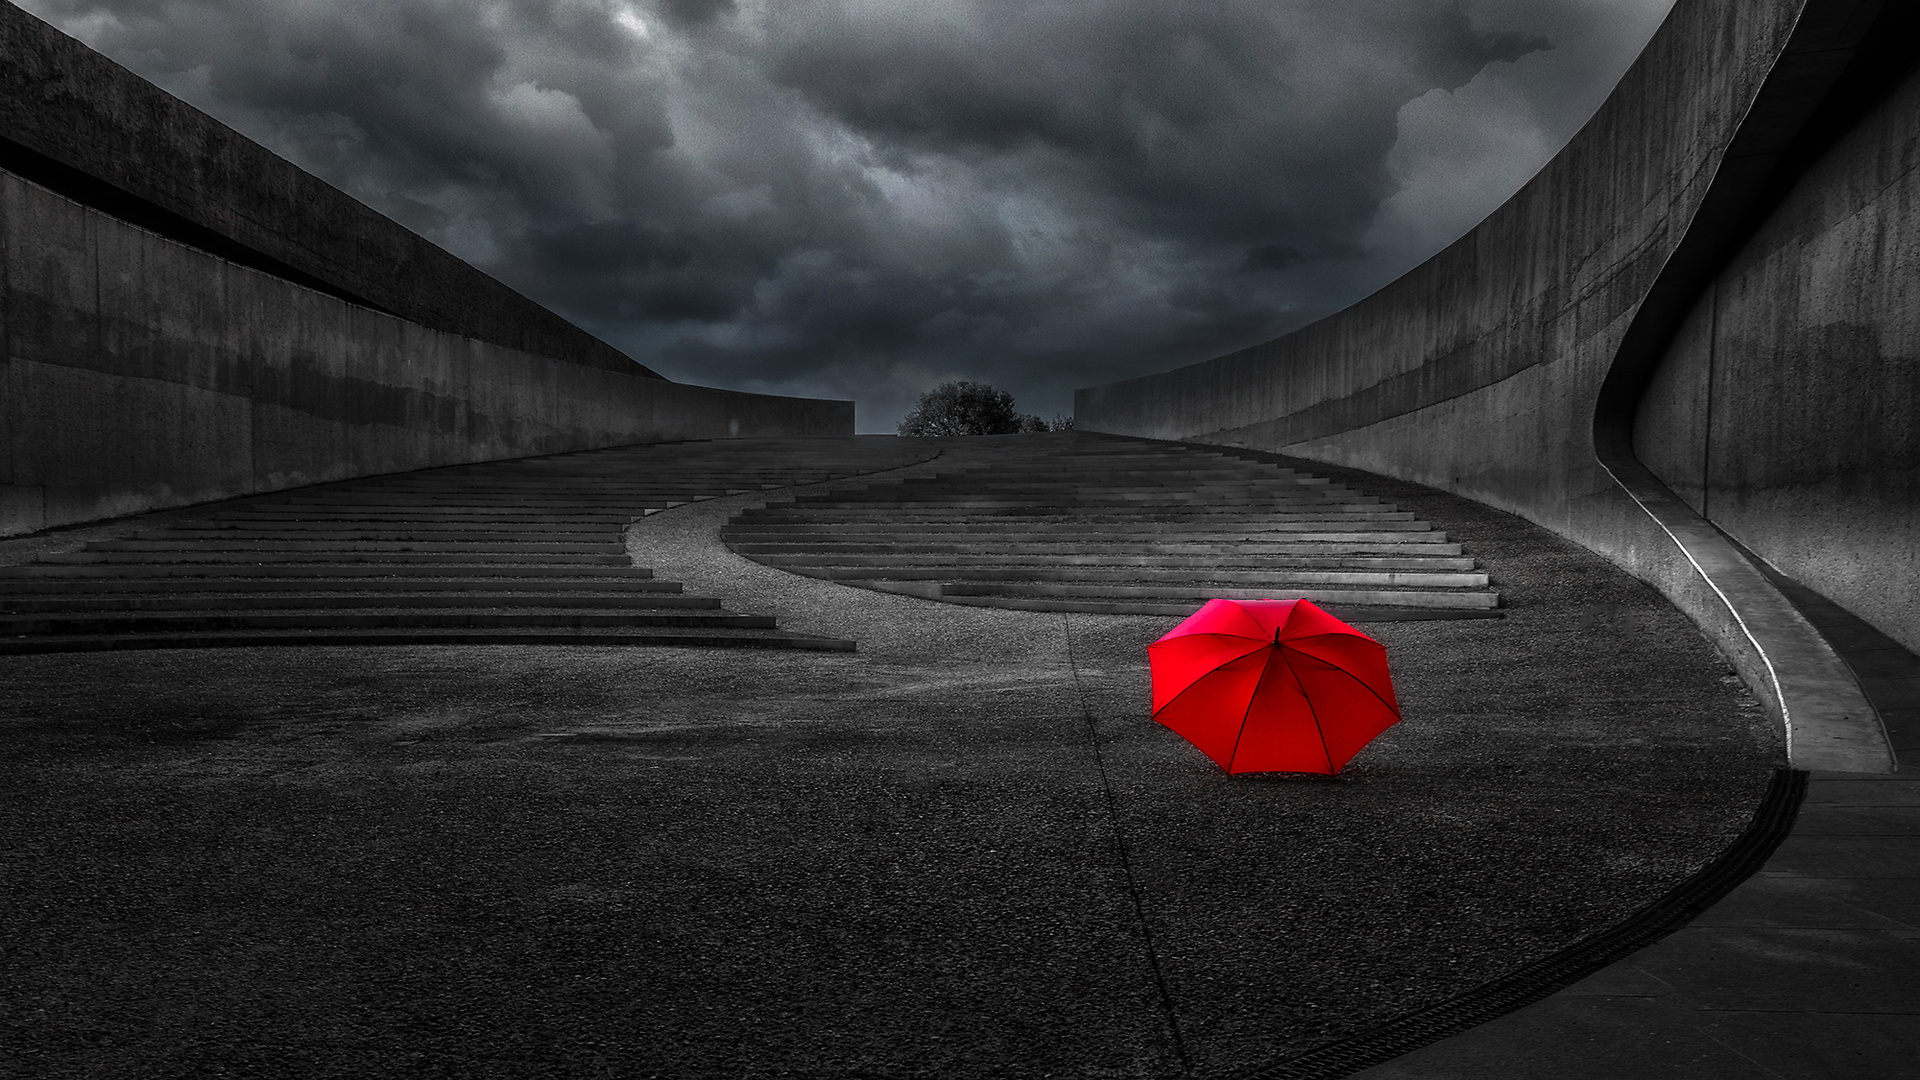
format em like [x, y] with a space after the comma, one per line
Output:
[80, 124]
[141, 373]
[1787, 409]
[1496, 369]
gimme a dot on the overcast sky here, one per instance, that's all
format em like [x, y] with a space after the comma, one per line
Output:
[860, 199]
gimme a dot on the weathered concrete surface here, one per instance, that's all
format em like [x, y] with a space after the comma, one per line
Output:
[141, 373]
[1790, 401]
[82, 124]
[1482, 371]
[1805, 972]
[902, 862]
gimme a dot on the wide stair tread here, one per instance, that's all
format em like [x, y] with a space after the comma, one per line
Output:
[522, 552]
[670, 637]
[14, 625]
[1276, 577]
[130, 601]
[1156, 529]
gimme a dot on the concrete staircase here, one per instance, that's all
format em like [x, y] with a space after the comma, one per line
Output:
[1082, 522]
[518, 552]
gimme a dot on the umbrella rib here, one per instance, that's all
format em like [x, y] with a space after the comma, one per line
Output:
[1315, 713]
[1196, 682]
[1364, 684]
[1246, 713]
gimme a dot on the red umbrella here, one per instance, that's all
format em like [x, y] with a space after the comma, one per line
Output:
[1272, 686]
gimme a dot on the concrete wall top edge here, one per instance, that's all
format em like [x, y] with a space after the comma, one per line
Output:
[142, 373]
[1647, 151]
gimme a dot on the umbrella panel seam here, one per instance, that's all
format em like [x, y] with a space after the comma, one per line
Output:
[1390, 706]
[1332, 769]
[1216, 668]
[1247, 713]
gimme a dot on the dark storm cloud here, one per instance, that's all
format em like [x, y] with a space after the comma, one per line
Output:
[637, 272]
[859, 199]
[696, 12]
[1199, 123]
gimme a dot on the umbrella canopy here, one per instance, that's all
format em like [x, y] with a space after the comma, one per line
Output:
[1272, 686]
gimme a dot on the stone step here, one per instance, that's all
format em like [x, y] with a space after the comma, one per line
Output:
[289, 601]
[1078, 565]
[362, 619]
[527, 552]
[999, 483]
[346, 530]
[216, 558]
[534, 480]
[1422, 598]
[1002, 484]
[669, 637]
[1051, 469]
[454, 507]
[1104, 488]
[754, 523]
[1220, 516]
[960, 511]
[127, 585]
[561, 489]
[1198, 577]
[1047, 469]
[1425, 543]
[497, 547]
[1032, 542]
[616, 518]
[609, 497]
[1186, 599]
[1392, 556]
[1353, 613]
[1120, 453]
[1158, 533]
[411, 572]
[544, 481]
[1049, 464]
[558, 500]
[1008, 532]
[1121, 500]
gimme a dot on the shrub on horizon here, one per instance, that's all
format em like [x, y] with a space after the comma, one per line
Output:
[961, 407]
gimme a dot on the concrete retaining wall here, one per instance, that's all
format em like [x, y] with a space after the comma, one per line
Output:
[82, 125]
[1487, 370]
[141, 373]
[1787, 410]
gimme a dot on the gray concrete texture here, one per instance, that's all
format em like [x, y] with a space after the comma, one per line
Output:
[905, 861]
[1804, 972]
[1480, 371]
[1790, 401]
[140, 373]
[152, 155]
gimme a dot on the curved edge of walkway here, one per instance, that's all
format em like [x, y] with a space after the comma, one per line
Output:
[1830, 724]
[1772, 820]
[1821, 80]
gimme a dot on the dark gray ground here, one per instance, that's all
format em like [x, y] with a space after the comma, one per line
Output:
[538, 861]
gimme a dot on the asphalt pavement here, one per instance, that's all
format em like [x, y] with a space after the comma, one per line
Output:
[964, 850]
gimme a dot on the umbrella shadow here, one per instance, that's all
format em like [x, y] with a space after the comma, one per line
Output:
[1289, 778]
[1357, 774]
